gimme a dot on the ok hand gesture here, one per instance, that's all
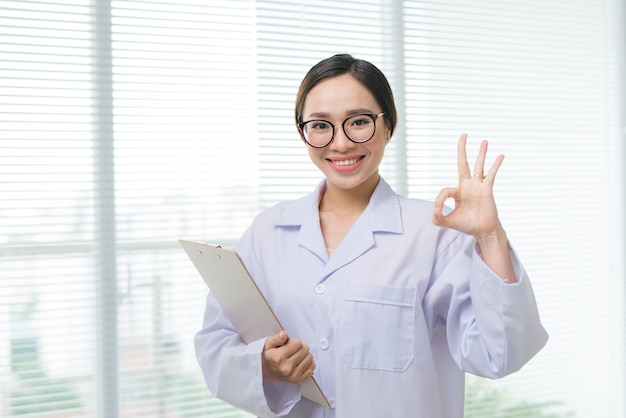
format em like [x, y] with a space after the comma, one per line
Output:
[475, 210]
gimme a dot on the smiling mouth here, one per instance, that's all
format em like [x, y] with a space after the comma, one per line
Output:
[345, 162]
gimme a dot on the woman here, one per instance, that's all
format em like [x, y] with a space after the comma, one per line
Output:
[388, 300]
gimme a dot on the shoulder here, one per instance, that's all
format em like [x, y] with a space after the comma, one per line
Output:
[417, 215]
[285, 213]
[385, 194]
[416, 205]
[288, 215]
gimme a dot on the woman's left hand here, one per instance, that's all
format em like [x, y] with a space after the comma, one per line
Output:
[474, 210]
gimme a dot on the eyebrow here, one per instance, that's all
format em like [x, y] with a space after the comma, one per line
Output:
[347, 113]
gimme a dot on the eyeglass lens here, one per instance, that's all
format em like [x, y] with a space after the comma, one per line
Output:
[358, 128]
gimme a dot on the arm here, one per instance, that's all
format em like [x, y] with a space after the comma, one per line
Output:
[492, 328]
[234, 370]
[480, 289]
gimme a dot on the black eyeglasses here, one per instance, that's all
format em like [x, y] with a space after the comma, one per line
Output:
[319, 133]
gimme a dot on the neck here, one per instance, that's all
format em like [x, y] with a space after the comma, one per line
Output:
[348, 200]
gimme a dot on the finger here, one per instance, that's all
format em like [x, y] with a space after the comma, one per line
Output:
[310, 368]
[286, 361]
[293, 351]
[463, 166]
[296, 351]
[479, 166]
[280, 358]
[444, 194]
[305, 364]
[305, 369]
[491, 174]
[275, 341]
[295, 365]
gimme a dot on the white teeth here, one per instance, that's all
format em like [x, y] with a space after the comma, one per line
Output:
[346, 162]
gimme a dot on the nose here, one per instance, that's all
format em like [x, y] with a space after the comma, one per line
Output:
[340, 142]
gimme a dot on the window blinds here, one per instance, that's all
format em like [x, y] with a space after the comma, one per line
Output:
[47, 276]
[183, 118]
[540, 82]
[118, 122]
[291, 37]
[125, 125]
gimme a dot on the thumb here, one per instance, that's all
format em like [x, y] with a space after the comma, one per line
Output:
[277, 340]
[439, 218]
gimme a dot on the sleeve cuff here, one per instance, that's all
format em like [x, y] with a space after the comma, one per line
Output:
[480, 265]
[279, 397]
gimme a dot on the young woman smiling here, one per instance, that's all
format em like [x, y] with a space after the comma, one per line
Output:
[388, 300]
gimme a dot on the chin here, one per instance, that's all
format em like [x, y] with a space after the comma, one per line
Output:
[347, 183]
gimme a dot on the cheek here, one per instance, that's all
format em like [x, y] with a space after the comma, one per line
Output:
[379, 152]
[315, 154]
[378, 147]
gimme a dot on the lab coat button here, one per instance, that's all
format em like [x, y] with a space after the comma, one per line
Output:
[319, 289]
[324, 343]
[331, 401]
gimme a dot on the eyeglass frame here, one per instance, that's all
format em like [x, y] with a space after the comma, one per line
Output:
[374, 117]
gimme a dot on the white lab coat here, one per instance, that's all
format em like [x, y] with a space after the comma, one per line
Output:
[393, 319]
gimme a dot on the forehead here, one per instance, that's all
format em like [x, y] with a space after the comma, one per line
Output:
[338, 96]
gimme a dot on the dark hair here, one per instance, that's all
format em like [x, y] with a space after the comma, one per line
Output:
[363, 71]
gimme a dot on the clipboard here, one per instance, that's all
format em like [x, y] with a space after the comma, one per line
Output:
[242, 301]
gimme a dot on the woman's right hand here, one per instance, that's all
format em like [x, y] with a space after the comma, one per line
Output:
[286, 359]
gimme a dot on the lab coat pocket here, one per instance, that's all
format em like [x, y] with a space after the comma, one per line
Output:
[377, 327]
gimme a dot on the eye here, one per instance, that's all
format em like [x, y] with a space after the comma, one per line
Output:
[319, 125]
[360, 121]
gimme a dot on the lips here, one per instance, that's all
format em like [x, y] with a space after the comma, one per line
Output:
[343, 161]
[346, 164]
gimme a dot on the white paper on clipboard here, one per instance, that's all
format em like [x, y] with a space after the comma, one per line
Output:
[240, 298]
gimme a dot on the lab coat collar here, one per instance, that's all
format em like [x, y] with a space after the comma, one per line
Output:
[382, 214]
